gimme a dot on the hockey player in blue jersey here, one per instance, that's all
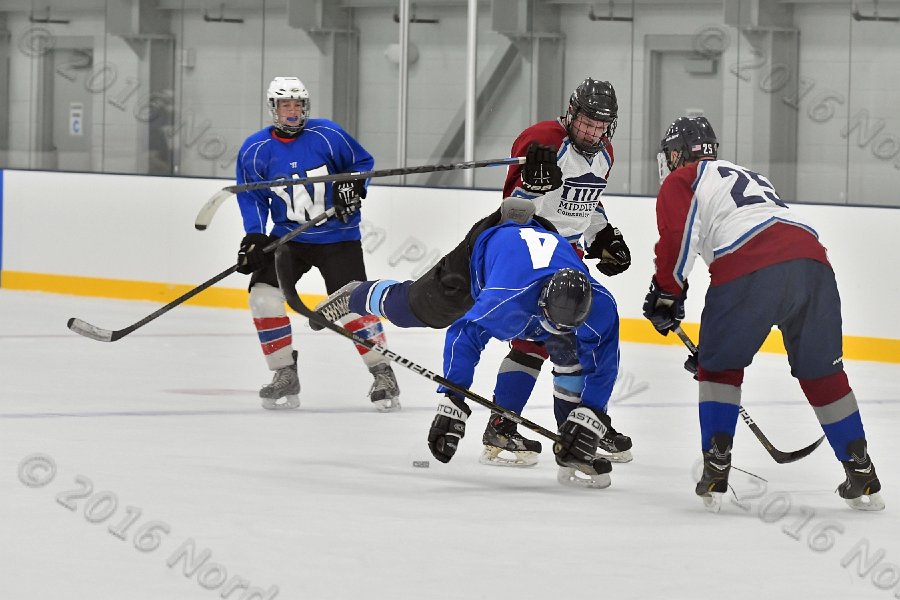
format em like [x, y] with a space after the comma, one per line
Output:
[297, 146]
[512, 277]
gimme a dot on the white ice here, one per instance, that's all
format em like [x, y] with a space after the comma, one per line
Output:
[324, 502]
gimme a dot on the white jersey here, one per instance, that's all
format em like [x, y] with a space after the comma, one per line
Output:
[575, 209]
[714, 208]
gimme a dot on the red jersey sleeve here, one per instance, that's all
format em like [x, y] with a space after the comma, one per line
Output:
[673, 203]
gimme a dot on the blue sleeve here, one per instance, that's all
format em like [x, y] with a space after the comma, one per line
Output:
[254, 204]
[463, 345]
[349, 155]
[598, 351]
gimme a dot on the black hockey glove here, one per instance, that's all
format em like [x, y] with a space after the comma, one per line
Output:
[540, 173]
[579, 437]
[250, 255]
[609, 247]
[447, 428]
[664, 310]
[347, 198]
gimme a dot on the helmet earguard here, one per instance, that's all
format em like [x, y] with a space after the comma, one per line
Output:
[288, 88]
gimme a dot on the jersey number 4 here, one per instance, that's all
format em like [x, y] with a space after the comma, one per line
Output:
[760, 190]
[300, 206]
[540, 246]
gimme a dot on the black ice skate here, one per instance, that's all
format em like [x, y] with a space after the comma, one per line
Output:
[285, 384]
[861, 490]
[615, 446]
[384, 393]
[505, 447]
[336, 306]
[716, 466]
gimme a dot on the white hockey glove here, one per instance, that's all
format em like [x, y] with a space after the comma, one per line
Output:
[447, 428]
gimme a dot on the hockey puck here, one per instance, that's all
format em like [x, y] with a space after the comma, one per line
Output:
[422, 464]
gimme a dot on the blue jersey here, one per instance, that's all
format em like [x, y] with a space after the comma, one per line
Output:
[509, 265]
[321, 148]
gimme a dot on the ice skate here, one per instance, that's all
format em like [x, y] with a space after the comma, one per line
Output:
[615, 447]
[285, 384]
[716, 466]
[861, 490]
[336, 306]
[384, 393]
[594, 476]
[505, 447]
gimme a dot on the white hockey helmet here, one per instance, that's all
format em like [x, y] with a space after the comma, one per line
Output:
[288, 88]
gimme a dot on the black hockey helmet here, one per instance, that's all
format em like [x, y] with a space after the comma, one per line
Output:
[692, 137]
[565, 301]
[595, 100]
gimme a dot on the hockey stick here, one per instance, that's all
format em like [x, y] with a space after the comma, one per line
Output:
[779, 456]
[208, 211]
[107, 335]
[294, 301]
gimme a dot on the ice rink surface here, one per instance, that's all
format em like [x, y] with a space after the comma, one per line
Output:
[158, 475]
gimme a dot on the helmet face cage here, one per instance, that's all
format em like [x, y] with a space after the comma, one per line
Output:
[565, 301]
[288, 88]
[596, 101]
[692, 137]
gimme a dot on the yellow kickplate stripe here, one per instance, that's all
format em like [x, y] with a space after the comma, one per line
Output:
[855, 347]
[630, 330]
[130, 290]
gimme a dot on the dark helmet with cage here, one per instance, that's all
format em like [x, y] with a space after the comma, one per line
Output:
[595, 100]
[692, 137]
[565, 301]
[288, 88]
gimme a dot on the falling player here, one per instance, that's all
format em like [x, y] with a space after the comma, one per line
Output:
[766, 268]
[581, 145]
[512, 277]
[296, 146]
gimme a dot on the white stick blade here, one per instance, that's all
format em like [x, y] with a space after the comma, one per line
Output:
[90, 331]
[208, 211]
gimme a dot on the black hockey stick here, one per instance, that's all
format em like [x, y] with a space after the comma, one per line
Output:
[208, 211]
[779, 456]
[107, 335]
[294, 301]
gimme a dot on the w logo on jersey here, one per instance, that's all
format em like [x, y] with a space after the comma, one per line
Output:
[581, 194]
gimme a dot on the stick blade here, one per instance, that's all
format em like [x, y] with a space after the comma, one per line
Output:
[208, 210]
[789, 457]
[87, 330]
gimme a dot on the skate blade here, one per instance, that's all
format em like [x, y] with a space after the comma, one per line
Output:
[617, 457]
[712, 501]
[872, 502]
[290, 401]
[492, 456]
[387, 405]
[568, 476]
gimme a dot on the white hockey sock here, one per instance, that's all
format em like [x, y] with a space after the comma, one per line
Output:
[272, 325]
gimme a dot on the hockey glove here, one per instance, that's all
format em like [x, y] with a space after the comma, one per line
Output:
[610, 248]
[691, 365]
[579, 436]
[348, 197]
[664, 310]
[250, 255]
[540, 173]
[447, 428]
